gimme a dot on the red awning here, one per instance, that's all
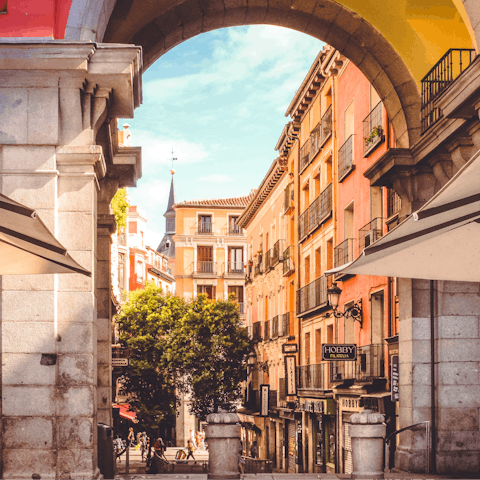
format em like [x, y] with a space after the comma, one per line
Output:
[125, 413]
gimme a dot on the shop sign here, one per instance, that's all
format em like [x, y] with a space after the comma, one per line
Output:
[311, 406]
[339, 351]
[395, 376]
[119, 362]
[264, 394]
[289, 348]
[290, 375]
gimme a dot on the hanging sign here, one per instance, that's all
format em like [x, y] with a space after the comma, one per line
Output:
[119, 362]
[339, 351]
[395, 377]
[264, 395]
[289, 348]
[290, 375]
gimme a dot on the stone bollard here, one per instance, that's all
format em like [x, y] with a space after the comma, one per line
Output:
[367, 431]
[223, 436]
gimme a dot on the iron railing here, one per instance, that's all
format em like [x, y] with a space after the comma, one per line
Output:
[287, 320]
[204, 228]
[370, 233]
[234, 268]
[313, 377]
[235, 230]
[438, 79]
[370, 364]
[259, 265]
[289, 260]
[345, 158]
[394, 202]
[318, 211]
[313, 295]
[343, 253]
[241, 308]
[305, 155]
[277, 253]
[249, 273]
[268, 261]
[326, 126]
[257, 331]
[287, 200]
[209, 268]
[266, 331]
[373, 129]
[303, 224]
[275, 327]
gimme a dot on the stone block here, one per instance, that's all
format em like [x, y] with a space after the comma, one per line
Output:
[458, 440]
[420, 328]
[34, 191]
[421, 414]
[26, 369]
[461, 304]
[354, 52]
[458, 373]
[104, 329]
[76, 307]
[27, 306]
[13, 115]
[28, 337]
[78, 463]
[405, 397]
[28, 282]
[104, 415]
[75, 369]
[104, 307]
[421, 374]
[458, 327]
[28, 158]
[76, 194]
[104, 397]
[420, 396]
[371, 69]
[43, 116]
[76, 230]
[74, 432]
[76, 338]
[28, 401]
[23, 463]
[28, 432]
[452, 419]
[406, 373]
[458, 462]
[75, 401]
[458, 287]
[458, 350]
[75, 282]
[104, 375]
[102, 274]
[458, 396]
[104, 352]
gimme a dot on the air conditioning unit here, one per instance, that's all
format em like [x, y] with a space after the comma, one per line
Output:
[371, 236]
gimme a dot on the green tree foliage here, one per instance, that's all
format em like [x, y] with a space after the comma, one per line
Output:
[209, 349]
[144, 323]
[120, 205]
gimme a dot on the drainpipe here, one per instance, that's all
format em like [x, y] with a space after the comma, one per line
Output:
[298, 263]
[433, 401]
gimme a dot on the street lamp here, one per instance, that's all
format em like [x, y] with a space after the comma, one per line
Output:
[354, 312]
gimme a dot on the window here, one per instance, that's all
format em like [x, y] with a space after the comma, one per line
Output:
[205, 224]
[348, 122]
[349, 222]
[139, 272]
[306, 195]
[233, 229]
[377, 317]
[318, 345]
[205, 259]
[121, 271]
[307, 270]
[317, 181]
[208, 290]
[349, 325]
[376, 202]
[237, 291]
[307, 349]
[318, 262]
[329, 254]
[235, 260]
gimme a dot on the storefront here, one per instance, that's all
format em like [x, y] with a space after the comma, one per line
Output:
[347, 406]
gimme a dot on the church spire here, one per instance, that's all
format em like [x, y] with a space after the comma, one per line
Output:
[171, 198]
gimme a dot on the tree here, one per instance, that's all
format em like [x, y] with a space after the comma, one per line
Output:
[209, 349]
[144, 324]
[120, 205]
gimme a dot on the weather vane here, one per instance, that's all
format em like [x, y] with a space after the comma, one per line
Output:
[172, 171]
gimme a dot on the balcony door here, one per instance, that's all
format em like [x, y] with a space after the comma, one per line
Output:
[208, 290]
[205, 259]
[205, 223]
[232, 227]
[235, 259]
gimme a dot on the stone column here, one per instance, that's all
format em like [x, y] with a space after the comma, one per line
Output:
[49, 328]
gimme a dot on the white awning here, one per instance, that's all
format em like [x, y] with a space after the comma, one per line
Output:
[441, 241]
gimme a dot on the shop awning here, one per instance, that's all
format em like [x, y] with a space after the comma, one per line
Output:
[441, 241]
[125, 413]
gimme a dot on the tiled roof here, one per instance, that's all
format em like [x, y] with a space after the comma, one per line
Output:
[239, 202]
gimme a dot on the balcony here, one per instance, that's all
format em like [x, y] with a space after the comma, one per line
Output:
[345, 159]
[373, 130]
[204, 228]
[259, 265]
[257, 332]
[275, 327]
[234, 268]
[286, 321]
[235, 230]
[248, 273]
[288, 204]
[313, 377]
[204, 268]
[326, 126]
[369, 366]
[438, 79]
[241, 308]
[289, 261]
[318, 211]
[313, 296]
[343, 253]
[266, 331]
[277, 253]
[305, 155]
[268, 261]
[370, 233]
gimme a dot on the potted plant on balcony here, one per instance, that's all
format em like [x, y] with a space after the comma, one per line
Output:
[376, 132]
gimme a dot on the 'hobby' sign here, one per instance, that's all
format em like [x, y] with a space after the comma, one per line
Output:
[339, 352]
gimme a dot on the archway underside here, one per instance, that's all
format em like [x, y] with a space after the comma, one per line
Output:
[394, 77]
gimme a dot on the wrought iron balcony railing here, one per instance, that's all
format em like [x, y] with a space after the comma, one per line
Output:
[204, 228]
[345, 158]
[373, 129]
[275, 327]
[277, 252]
[438, 79]
[288, 200]
[318, 211]
[305, 155]
[234, 268]
[370, 233]
[343, 253]
[249, 273]
[266, 331]
[259, 265]
[268, 261]
[205, 268]
[326, 126]
[303, 224]
[241, 308]
[313, 295]
[313, 377]
[286, 324]
[235, 230]
[370, 365]
[289, 260]
[257, 331]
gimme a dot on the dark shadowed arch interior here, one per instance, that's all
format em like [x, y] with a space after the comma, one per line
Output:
[326, 20]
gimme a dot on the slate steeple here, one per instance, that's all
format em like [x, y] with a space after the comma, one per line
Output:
[167, 245]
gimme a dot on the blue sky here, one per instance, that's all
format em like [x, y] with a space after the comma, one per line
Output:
[219, 101]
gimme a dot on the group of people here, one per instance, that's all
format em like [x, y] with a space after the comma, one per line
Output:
[142, 441]
[196, 440]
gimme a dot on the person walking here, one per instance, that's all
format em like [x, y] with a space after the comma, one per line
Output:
[254, 450]
[190, 449]
[131, 437]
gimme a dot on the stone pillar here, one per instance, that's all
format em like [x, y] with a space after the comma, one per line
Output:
[223, 437]
[367, 431]
[49, 326]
